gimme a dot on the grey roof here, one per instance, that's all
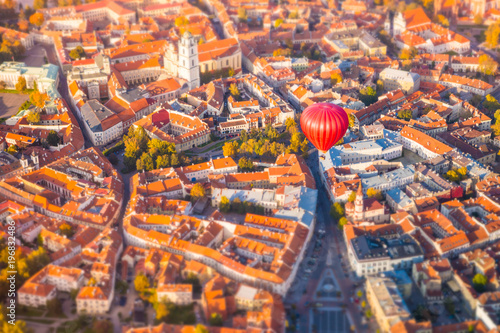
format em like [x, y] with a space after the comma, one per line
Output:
[367, 247]
[50, 71]
[300, 205]
[399, 197]
[133, 94]
[400, 75]
[94, 113]
[371, 41]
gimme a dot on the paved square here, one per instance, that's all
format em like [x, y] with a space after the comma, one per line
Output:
[10, 103]
[34, 57]
[329, 320]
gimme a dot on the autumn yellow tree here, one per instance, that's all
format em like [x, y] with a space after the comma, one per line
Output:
[23, 25]
[33, 117]
[198, 191]
[242, 14]
[230, 148]
[407, 54]
[233, 89]
[487, 65]
[441, 19]
[37, 19]
[373, 193]
[335, 78]
[180, 21]
[38, 99]
[478, 19]
[21, 84]
[492, 34]
[141, 283]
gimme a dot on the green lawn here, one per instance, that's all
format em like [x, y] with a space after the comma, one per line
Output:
[181, 315]
[41, 321]
[13, 91]
[216, 146]
[30, 311]
[56, 315]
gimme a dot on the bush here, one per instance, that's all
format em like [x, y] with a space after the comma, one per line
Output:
[119, 146]
[113, 159]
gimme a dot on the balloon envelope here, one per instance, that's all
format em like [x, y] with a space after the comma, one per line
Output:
[324, 124]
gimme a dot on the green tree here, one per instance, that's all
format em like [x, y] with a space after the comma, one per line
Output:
[162, 311]
[492, 105]
[174, 160]
[449, 305]
[216, 320]
[53, 138]
[405, 114]
[304, 147]
[12, 149]
[73, 293]
[337, 211]
[479, 282]
[54, 306]
[368, 95]
[158, 147]
[200, 329]
[197, 192]
[245, 164]
[141, 283]
[77, 53]
[145, 162]
[352, 120]
[224, 205]
[342, 222]
[237, 206]
[21, 84]
[270, 132]
[102, 326]
[162, 161]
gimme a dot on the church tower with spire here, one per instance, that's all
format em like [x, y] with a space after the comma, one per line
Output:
[358, 204]
[188, 60]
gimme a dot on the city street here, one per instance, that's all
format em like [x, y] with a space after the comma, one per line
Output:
[303, 292]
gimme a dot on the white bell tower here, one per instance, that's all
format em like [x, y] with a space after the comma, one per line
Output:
[188, 60]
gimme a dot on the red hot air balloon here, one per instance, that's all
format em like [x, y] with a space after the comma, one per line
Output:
[324, 124]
